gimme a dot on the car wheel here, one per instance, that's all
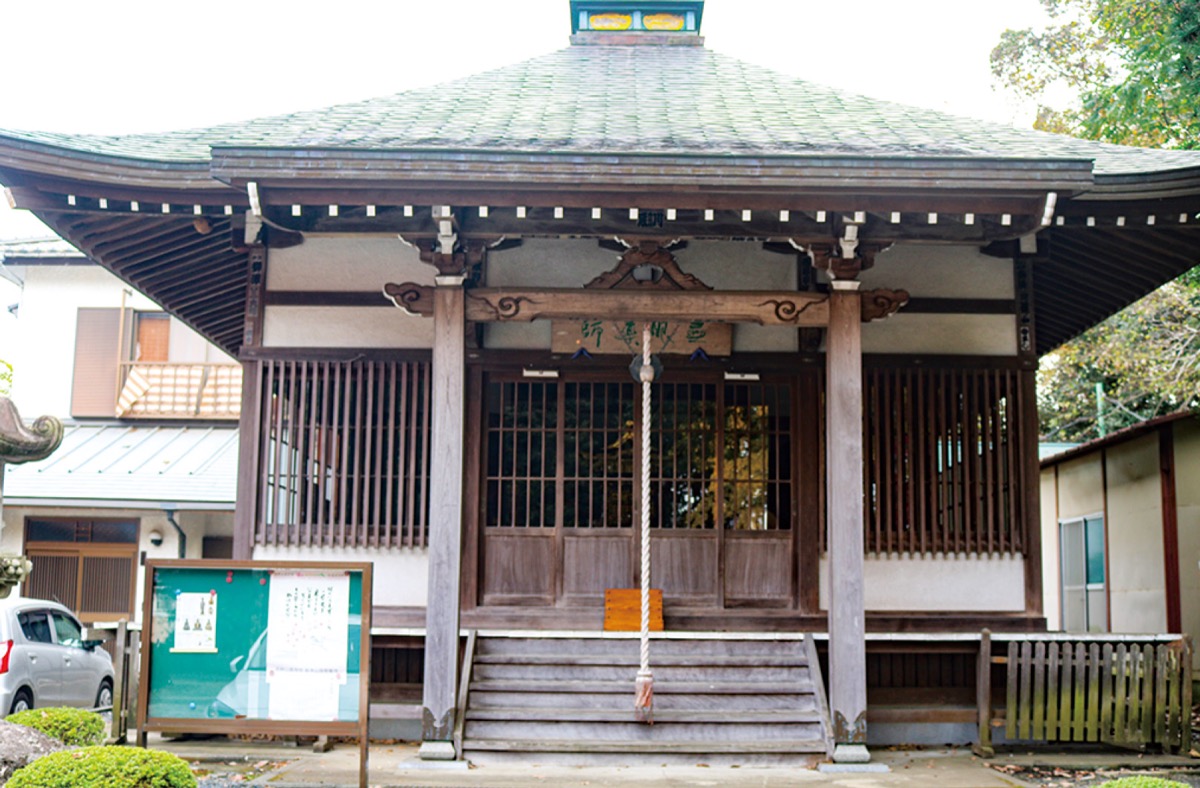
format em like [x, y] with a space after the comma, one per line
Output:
[104, 698]
[22, 702]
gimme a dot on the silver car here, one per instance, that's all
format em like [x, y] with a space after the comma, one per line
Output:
[44, 660]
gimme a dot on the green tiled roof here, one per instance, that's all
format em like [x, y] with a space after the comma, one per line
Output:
[630, 100]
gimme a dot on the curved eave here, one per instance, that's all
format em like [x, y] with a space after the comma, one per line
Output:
[1166, 184]
[324, 168]
[84, 167]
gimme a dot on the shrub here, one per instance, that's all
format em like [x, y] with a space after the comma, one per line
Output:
[1142, 781]
[106, 767]
[76, 727]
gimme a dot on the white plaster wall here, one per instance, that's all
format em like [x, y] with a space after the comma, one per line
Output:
[1137, 590]
[938, 583]
[982, 335]
[369, 327]
[1187, 499]
[346, 263]
[941, 271]
[400, 577]
[1051, 569]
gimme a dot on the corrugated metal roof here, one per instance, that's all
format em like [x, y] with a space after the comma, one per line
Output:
[628, 100]
[132, 466]
[39, 248]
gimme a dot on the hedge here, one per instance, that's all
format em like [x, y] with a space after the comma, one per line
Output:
[105, 767]
[75, 727]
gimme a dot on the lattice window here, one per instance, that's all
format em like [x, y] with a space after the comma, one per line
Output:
[522, 454]
[721, 454]
[942, 461]
[598, 455]
[345, 449]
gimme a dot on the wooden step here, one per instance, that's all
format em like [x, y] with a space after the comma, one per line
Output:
[626, 673]
[622, 701]
[797, 746]
[660, 687]
[627, 714]
[563, 647]
[632, 660]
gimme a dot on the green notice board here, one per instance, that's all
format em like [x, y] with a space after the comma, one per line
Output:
[256, 647]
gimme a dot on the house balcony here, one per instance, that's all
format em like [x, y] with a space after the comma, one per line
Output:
[164, 390]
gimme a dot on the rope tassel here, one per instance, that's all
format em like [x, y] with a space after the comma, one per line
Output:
[643, 704]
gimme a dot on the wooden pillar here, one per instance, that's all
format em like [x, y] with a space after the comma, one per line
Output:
[246, 507]
[445, 520]
[844, 447]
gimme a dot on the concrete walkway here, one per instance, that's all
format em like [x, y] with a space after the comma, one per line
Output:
[398, 765]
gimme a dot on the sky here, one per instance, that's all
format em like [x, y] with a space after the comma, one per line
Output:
[136, 66]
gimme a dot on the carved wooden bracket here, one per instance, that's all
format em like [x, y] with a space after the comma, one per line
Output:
[647, 266]
[414, 299]
[469, 256]
[881, 303]
[828, 257]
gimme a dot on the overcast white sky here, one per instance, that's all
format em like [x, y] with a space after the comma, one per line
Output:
[134, 65]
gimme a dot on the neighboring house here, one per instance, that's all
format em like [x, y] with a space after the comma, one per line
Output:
[148, 463]
[1121, 526]
[435, 298]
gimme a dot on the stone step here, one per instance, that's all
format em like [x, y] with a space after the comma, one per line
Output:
[814, 745]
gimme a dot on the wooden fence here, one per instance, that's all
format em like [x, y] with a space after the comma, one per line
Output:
[1131, 692]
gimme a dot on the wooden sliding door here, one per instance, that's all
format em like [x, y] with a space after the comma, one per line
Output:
[561, 484]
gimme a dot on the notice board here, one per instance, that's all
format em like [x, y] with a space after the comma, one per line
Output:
[256, 647]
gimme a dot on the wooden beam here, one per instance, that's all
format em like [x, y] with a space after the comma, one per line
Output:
[768, 308]
[844, 450]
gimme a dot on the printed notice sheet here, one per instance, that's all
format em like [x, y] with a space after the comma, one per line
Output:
[308, 625]
[195, 622]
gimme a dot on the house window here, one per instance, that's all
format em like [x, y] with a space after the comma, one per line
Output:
[1084, 590]
[87, 565]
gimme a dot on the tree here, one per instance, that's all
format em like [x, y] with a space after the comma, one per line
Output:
[1122, 71]
[1126, 72]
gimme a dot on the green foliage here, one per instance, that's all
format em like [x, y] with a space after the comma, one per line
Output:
[6, 377]
[1146, 360]
[1122, 71]
[76, 727]
[1129, 73]
[1142, 781]
[105, 767]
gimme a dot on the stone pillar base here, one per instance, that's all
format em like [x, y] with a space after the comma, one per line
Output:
[437, 751]
[849, 753]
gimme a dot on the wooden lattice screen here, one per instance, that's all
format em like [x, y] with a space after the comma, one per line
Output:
[942, 460]
[344, 458]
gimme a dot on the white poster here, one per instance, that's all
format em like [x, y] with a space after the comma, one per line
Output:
[307, 624]
[195, 622]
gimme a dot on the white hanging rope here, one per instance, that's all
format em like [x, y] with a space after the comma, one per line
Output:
[645, 679]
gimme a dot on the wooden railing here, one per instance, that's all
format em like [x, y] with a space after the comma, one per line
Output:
[1122, 690]
[179, 391]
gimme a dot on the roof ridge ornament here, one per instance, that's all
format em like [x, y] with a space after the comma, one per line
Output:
[634, 22]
